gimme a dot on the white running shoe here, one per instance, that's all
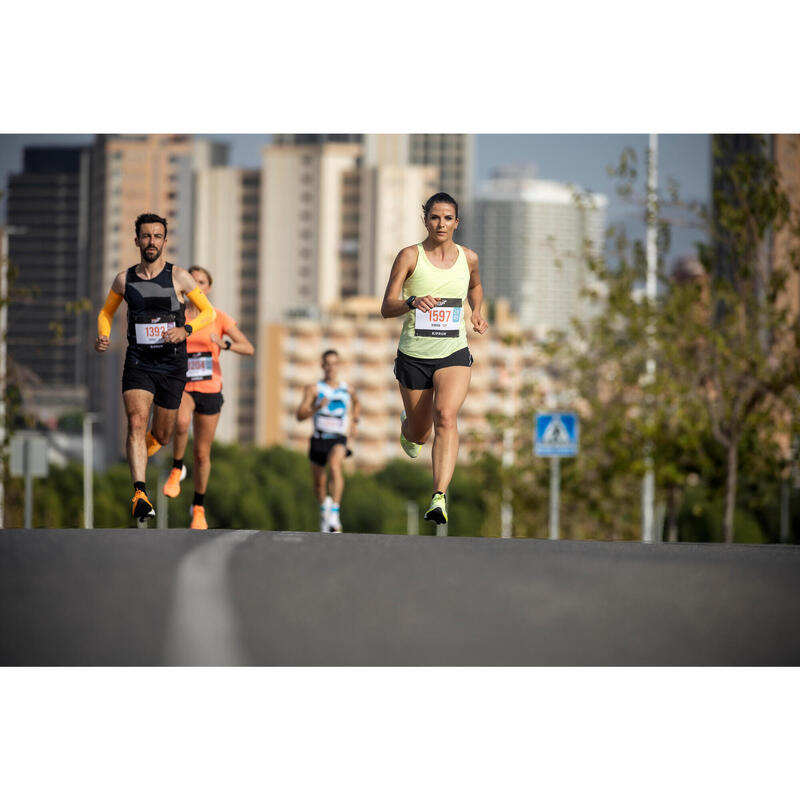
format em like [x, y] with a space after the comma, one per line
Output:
[411, 449]
[324, 514]
[334, 523]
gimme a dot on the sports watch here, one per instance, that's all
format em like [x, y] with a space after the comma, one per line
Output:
[188, 328]
[410, 301]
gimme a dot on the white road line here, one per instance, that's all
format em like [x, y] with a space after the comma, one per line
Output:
[202, 628]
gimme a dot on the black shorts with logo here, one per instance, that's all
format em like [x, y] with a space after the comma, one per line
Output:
[417, 373]
[209, 403]
[319, 449]
[164, 379]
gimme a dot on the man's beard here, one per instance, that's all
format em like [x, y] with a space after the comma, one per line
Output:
[152, 256]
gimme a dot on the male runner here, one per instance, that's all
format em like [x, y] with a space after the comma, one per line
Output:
[329, 401]
[155, 361]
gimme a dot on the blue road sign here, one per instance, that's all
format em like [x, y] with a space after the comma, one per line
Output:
[557, 434]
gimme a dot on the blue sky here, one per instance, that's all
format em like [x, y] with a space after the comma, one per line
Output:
[575, 158]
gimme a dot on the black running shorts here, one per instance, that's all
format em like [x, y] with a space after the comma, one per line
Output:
[166, 387]
[208, 403]
[417, 373]
[319, 449]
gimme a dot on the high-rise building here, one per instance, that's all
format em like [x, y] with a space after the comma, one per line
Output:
[784, 150]
[227, 212]
[380, 205]
[316, 138]
[393, 191]
[530, 238]
[304, 202]
[391, 217]
[453, 154]
[48, 205]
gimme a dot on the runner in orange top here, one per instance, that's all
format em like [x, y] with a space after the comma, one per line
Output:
[202, 398]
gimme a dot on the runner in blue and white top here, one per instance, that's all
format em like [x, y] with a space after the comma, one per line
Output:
[334, 406]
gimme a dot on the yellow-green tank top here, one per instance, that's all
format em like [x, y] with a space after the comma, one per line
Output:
[452, 284]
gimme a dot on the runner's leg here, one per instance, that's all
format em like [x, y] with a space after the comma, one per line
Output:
[137, 404]
[336, 461]
[163, 423]
[205, 426]
[418, 404]
[182, 426]
[320, 481]
[450, 387]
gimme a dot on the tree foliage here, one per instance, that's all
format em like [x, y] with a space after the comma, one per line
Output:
[724, 344]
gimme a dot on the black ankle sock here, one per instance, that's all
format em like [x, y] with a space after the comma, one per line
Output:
[441, 493]
[139, 485]
[198, 498]
[177, 463]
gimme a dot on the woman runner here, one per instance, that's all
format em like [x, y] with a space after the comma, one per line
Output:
[202, 400]
[429, 284]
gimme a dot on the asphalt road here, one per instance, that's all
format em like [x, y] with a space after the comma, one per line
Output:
[180, 597]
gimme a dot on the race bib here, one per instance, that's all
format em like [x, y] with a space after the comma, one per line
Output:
[200, 367]
[150, 330]
[326, 424]
[444, 320]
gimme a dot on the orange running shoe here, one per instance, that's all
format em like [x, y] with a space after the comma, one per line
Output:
[199, 518]
[142, 508]
[172, 488]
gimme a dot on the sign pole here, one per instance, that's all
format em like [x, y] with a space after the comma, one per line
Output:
[412, 518]
[88, 471]
[556, 436]
[26, 455]
[555, 492]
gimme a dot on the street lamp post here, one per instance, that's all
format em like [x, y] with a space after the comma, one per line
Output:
[88, 470]
[648, 484]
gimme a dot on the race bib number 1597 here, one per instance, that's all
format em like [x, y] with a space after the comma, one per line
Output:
[444, 320]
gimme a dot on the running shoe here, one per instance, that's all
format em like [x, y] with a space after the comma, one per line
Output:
[198, 518]
[142, 508]
[324, 511]
[172, 488]
[334, 523]
[411, 449]
[437, 510]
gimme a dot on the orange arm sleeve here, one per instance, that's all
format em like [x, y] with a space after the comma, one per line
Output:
[107, 313]
[207, 313]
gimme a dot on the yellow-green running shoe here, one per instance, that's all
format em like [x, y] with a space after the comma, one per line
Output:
[411, 449]
[437, 510]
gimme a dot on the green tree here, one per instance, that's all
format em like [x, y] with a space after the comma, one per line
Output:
[725, 347]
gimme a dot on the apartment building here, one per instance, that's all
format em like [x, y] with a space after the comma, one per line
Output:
[531, 236]
[506, 360]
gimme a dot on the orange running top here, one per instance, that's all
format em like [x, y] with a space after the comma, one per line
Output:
[204, 373]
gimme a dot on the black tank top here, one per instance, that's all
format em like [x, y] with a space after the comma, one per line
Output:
[153, 307]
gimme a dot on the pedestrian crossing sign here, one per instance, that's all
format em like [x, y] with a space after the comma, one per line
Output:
[556, 434]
